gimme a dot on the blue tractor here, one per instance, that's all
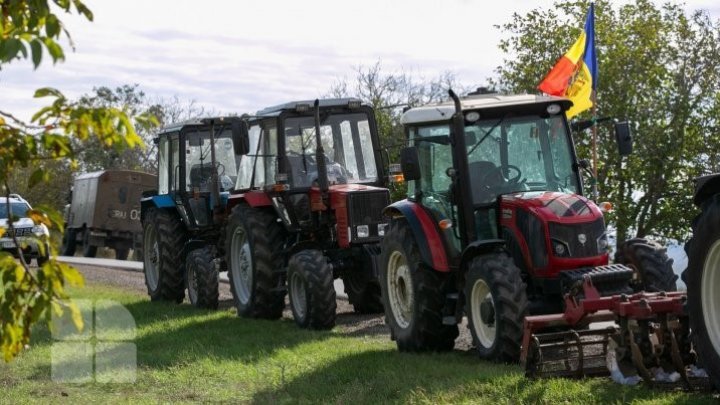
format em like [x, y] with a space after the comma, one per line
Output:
[183, 220]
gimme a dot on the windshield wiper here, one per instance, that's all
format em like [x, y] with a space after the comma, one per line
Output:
[486, 135]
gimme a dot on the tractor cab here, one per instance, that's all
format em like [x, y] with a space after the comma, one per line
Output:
[299, 170]
[197, 167]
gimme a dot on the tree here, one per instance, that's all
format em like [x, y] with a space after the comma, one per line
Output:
[29, 29]
[659, 68]
[389, 94]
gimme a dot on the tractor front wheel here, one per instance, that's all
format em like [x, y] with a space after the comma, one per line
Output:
[311, 290]
[163, 241]
[703, 282]
[650, 262]
[413, 295]
[201, 279]
[254, 242]
[496, 304]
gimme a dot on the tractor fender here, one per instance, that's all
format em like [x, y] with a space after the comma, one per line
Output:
[480, 247]
[254, 198]
[706, 187]
[425, 230]
[155, 201]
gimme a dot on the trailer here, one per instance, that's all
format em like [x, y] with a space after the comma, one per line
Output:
[104, 211]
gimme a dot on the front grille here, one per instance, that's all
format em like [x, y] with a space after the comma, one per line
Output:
[571, 236]
[19, 232]
[365, 208]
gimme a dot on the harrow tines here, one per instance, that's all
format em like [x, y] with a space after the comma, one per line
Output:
[571, 353]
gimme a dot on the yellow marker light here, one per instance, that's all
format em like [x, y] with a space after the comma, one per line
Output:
[445, 224]
[397, 178]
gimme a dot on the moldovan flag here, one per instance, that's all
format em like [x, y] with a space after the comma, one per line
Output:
[575, 75]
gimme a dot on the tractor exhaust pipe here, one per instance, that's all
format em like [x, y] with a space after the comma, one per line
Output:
[320, 152]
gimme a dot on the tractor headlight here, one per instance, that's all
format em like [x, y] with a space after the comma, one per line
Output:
[381, 229]
[560, 248]
[363, 231]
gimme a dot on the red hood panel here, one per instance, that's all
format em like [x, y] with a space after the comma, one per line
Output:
[554, 206]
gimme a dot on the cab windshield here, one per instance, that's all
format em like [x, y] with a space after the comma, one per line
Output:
[505, 155]
[17, 209]
[199, 164]
[347, 143]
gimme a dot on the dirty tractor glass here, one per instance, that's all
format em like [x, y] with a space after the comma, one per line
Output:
[347, 144]
[519, 154]
[199, 169]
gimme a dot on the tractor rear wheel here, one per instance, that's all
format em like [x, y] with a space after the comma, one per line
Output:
[163, 241]
[201, 279]
[413, 295]
[363, 292]
[496, 305]
[311, 290]
[651, 262]
[254, 242]
[703, 278]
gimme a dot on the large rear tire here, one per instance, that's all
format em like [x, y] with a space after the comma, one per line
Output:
[412, 294]
[163, 240]
[496, 305]
[651, 262]
[201, 279]
[311, 290]
[703, 286]
[254, 244]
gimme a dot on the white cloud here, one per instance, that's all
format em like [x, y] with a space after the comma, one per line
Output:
[238, 56]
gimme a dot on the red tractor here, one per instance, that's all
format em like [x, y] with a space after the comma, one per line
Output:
[496, 228]
[307, 210]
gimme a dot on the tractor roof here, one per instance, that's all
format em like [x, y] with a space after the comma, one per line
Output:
[444, 110]
[293, 105]
[176, 126]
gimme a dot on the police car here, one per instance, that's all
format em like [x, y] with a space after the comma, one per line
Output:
[28, 236]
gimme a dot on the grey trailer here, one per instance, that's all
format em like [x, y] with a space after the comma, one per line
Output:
[104, 210]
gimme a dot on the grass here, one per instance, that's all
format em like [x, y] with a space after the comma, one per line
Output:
[190, 355]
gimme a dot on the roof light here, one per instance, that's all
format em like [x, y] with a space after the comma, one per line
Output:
[354, 104]
[553, 109]
[472, 116]
[301, 108]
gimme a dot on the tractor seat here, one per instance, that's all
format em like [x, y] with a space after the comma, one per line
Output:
[482, 186]
[200, 175]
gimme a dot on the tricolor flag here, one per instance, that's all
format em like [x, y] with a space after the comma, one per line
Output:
[575, 75]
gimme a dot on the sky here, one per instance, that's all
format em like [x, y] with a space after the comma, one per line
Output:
[240, 56]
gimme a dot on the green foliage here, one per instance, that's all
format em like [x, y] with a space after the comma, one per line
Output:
[389, 94]
[28, 296]
[659, 68]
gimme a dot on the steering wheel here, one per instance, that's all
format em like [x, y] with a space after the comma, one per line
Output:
[220, 168]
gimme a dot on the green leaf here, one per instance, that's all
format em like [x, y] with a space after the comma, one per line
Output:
[47, 91]
[9, 49]
[54, 49]
[36, 49]
[52, 26]
[36, 177]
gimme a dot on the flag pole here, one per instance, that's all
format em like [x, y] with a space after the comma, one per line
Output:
[595, 193]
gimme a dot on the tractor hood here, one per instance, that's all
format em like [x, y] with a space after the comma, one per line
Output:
[554, 206]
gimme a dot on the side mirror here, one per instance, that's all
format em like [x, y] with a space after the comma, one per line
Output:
[240, 137]
[623, 134]
[410, 163]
